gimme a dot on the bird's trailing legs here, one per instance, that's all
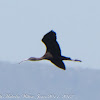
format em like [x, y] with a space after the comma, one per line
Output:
[69, 59]
[75, 60]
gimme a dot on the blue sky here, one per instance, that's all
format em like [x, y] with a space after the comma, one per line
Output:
[24, 22]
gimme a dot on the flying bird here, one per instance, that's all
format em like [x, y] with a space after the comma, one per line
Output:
[53, 51]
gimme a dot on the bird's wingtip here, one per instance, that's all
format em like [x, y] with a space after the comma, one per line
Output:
[52, 30]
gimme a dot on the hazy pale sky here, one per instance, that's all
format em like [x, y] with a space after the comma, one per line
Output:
[23, 23]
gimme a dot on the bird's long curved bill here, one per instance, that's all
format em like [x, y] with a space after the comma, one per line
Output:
[23, 60]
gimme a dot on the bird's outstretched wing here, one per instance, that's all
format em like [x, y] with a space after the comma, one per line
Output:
[52, 45]
[58, 63]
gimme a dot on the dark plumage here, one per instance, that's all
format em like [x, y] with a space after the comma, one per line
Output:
[53, 47]
[53, 52]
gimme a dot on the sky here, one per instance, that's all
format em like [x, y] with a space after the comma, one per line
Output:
[23, 23]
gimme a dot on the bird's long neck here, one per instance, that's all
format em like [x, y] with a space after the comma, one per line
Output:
[35, 59]
[32, 59]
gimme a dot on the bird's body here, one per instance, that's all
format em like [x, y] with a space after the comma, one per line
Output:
[53, 51]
